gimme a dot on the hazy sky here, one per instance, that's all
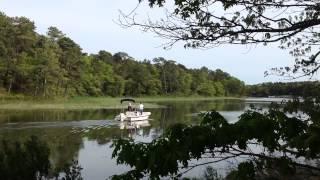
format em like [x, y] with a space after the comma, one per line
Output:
[91, 23]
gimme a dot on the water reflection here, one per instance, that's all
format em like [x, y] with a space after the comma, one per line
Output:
[16, 116]
[86, 135]
[84, 124]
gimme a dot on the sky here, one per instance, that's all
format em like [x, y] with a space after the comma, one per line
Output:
[93, 25]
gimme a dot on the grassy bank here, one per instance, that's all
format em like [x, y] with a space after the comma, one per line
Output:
[90, 102]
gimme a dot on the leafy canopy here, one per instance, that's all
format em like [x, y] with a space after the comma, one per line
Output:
[294, 24]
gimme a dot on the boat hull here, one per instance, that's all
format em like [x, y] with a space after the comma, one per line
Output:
[133, 116]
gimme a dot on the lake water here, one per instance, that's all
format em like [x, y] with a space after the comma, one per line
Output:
[86, 135]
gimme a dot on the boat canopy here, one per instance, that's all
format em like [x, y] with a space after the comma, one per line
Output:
[127, 99]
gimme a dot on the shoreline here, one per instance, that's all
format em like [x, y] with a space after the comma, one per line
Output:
[79, 103]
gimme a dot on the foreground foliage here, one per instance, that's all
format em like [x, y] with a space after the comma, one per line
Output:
[280, 142]
[294, 24]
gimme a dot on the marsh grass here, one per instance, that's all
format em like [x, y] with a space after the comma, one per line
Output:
[91, 102]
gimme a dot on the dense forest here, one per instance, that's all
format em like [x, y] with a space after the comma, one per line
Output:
[301, 89]
[54, 65]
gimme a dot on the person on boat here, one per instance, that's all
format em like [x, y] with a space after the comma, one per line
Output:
[129, 107]
[141, 108]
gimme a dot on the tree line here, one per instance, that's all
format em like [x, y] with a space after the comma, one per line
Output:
[54, 65]
[301, 89]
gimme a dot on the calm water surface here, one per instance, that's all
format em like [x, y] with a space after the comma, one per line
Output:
[86, 135]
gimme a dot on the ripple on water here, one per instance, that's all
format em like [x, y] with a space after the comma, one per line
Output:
[91, 124]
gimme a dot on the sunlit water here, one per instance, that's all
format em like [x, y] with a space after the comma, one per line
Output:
[86, 135]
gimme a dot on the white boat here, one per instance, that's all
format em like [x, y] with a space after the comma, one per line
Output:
[132, 115]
